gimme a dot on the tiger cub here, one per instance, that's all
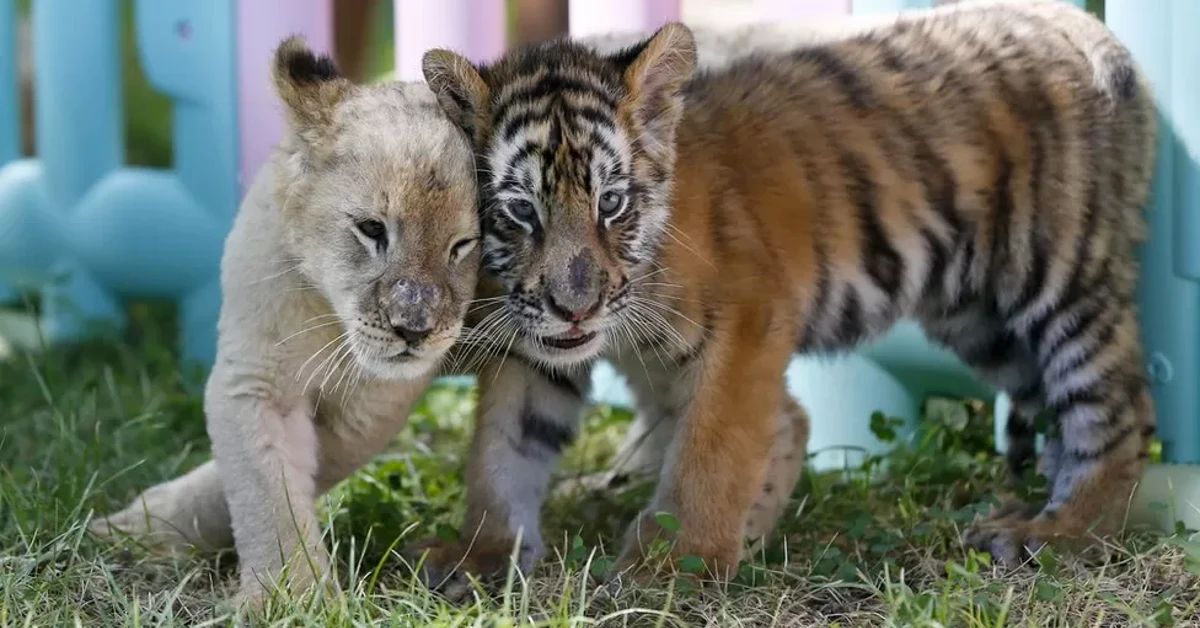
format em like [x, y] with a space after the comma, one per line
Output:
[982, 168]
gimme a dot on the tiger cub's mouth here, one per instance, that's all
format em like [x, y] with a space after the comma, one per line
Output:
[573, 339]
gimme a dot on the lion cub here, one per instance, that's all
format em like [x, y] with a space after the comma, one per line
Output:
[345, 279]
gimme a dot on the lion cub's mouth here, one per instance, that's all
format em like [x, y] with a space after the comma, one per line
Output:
[406, 355]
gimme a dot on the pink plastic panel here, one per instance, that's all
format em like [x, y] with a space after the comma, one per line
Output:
[589, 17]
[261, 25]
[474, 28]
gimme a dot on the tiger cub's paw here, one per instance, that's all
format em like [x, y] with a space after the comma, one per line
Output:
[1010, 544]
[450, 566]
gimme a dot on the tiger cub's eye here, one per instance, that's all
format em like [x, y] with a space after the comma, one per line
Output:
[611, 203]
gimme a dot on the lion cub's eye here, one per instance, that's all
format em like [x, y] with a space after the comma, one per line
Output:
[611, 203]
[374, 230]
[461, 249]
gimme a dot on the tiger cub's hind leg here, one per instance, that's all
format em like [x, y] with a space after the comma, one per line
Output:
[977, 334]
[1090, 360]
[1003, 361]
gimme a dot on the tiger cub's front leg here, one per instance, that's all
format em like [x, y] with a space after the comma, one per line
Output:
[716, 466]
[526, 418]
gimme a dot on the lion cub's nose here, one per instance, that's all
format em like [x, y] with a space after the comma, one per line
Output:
[410, 309]
[412, 336]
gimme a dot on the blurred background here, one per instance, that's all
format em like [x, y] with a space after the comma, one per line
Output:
[363, 47]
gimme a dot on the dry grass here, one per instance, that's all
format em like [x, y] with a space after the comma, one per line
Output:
[84, 429]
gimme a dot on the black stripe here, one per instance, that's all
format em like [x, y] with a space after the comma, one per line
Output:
[552, 85]
[509, 127]
[1028, 392]
[509, 183]
[964, 280]
[936, 175]
[824, 287]
[1087, 396]
[1043, 121]
[1085, 327]
[1000, 349]
[883, 263]
[599, 143]
[850, 319]
[821, 255]
[1075, 297]
[604, 118]
[526, 151]
[939, 257]
[546, 432]
[1021, 444]
[1035, 278]
[831, 65]
[1114, 441]
[1001, 214]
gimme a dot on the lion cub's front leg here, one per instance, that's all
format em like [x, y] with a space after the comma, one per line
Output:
[265, 449]
[716, 465]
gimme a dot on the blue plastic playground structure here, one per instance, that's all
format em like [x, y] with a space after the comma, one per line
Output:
[78, 223]
[89, 231]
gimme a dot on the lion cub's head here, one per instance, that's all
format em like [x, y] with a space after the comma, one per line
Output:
[377, 190]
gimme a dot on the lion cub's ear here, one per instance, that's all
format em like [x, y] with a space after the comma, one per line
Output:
[459, 88]
[310, 87]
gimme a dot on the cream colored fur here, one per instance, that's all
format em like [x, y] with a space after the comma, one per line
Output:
[303, 391]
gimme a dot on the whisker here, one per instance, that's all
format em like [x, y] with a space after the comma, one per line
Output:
[656, 319]
[667, 232]
[666, 308]
[276, 275]
[346, 351]
[308, 329]
[300, 371]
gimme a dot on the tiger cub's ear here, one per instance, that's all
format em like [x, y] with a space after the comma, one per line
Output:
[459, 88]
[654, 74]
[310, 87]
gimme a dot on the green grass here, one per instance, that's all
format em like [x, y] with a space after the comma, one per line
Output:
[85, 428]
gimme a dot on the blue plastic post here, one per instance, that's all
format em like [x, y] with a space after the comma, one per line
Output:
[1169, 302]
[77, 44]
[80, 140]
[10, 115]
[1184, 423]
[187, 50]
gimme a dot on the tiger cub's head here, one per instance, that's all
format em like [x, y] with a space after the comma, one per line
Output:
[576, 152]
